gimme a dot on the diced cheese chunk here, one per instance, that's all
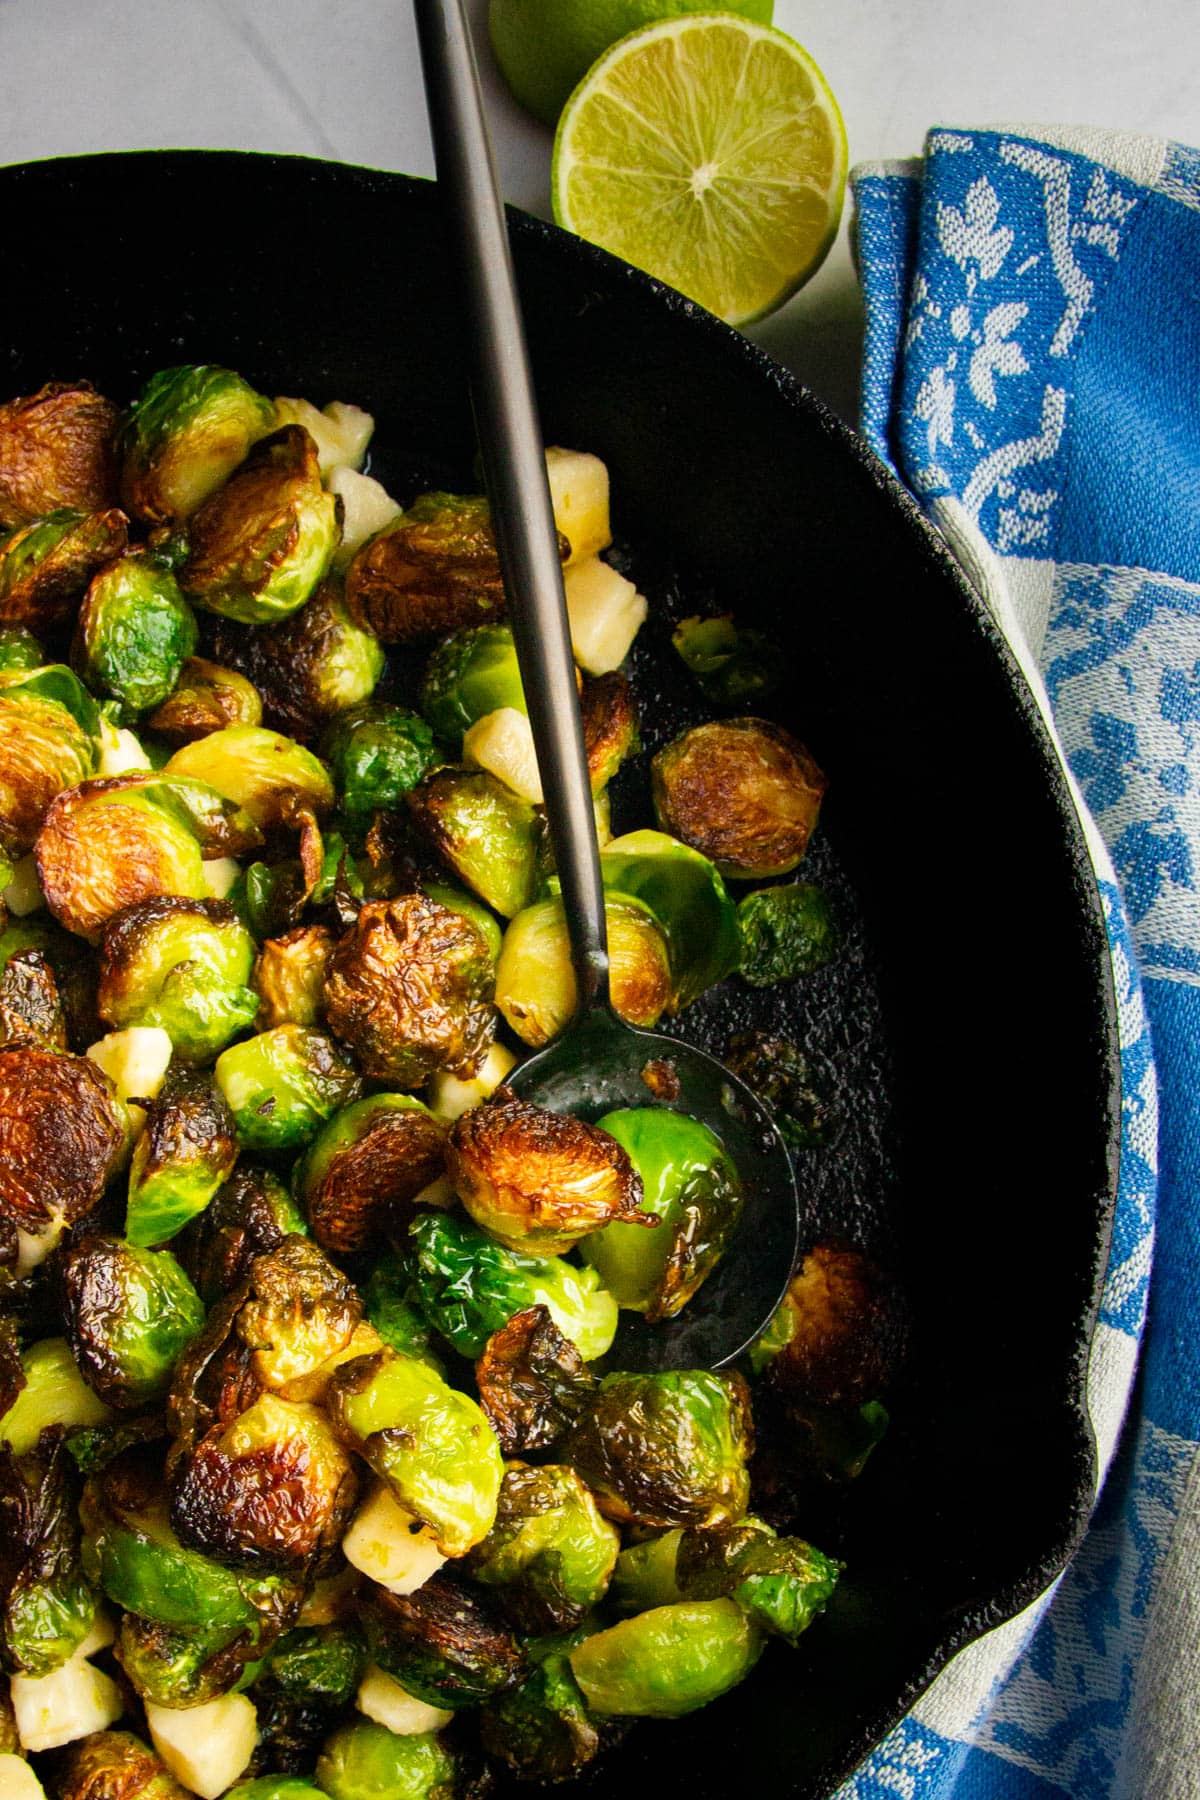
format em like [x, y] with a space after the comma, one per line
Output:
[387, 1544]
[219, 875]
[17, 1779]
[103, 1633]
[385, 1701]
[23, 895]
[120, 752]
[502, 743]
[206, 1747]
[135, 1061]
[71, 1702]
[605, 611]
[367, 508]
[579, 495]
[450, 1097]
[340, 432]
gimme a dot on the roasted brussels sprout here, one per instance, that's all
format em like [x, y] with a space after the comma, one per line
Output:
[376, 753]
[282, 1085]
[359, 1177]
[49, 740]
[186, 432]
[532, 1380]
[46, 1603]
[535, 978]
[610, 726]
[319, 1662]
[56, 450]
[272, 1490]
[468, 1286]
[271, 776]
[205, 698]
[73, 966]
[446, 1643]
[782, 1582]
[19, 650]
[731, 663]
[251, 1214]
[665, 1449]
[307, 1683]
[45, 566]
[114, 1765]
[743, 791]
[365, 1761]
[483, 832]
[180, 964]
[49, 1391]
[186, 1152]
[542, 1728]
[786, 931]
[261, 544]
[550, 1555]
[668, 1661]
[536, 1180]
[434, 570]
[175, 1668]
[410, 989]
[691, 1186]
[129, 1315]
[389, 1303]
[62, 1133]
[431, 1444]
[847, 1329]
[472, 673]
[644, 1575]
[309, 667]
[685, 895]
[289, 976]
[31, 1009]
[134, 633]
[455, 900]
[779, 1073]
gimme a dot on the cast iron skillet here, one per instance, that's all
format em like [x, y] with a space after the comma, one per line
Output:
[966, 1035]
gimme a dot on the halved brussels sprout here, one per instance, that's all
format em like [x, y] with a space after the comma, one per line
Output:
[62, 1134]
[786, 931]
[779, 1072]
[310, 667]
[186, 1152]
[847, 1326]
[684, 893]
[532, 1380]
[47, 1605]
[129, 1314]
[668, 1661]
[181, 964]
[665, 1449]
[282, 1085]
[114, 1765]
[473, 673]
[175, 1668]
[289, 975]
[745, 792]
[731, 663]
[691, 1186]
[134, 633]
[271, 776]
[409, 990]
[261, 544]
[359, 1177]
[19, 650]
[483, 832]
[56, 450]
[430, 1443]
[304, 1689]
[782, 1582]
[45, 566]
[536, 1180]
[542, 1729]
[446, 1643]
[610, 726]
[454, 899]
[251, 1214]
[434, 570]
[550, 1555]
[49, 1391]
[49, 740]
[376, 753]
[186, 432]
[535, 977]
[468, 1286]
[206, 697]
[365, 1761]
[31, 1010]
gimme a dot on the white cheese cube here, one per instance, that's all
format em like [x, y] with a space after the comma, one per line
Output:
[605, 611]
[71, 1702]
[340, 432]
[502, 743]
[450, 1097]
[387, 1703]
[367, 508]
[388, 1545]
[17, 1779]
[579, 496]
[206, 1747]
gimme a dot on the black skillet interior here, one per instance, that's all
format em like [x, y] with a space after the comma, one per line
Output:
[967, 1032]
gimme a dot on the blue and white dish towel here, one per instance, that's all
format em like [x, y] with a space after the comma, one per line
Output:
[1032, 373]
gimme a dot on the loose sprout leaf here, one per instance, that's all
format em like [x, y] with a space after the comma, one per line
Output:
[733, 665]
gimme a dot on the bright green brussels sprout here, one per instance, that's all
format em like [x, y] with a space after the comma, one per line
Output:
[780, 1074]
[205, 698]
[732, 663]
[786, 931]
[376, 753]
[56, 450]
[665, 1449]
[446, 1643]
[186, 432]
[309, 667]
[172, 1667]
[783, 1583]
[129, 1314]
[542, 1728]
[275, 1787]
[472, 673]
[53, 1393]
[549, 1555]
[45, 566]
[455, 900]
[483, 832]
[684, 893]
[468, 1286]
[180, 964]
[134, 633]
[365, 1761]
[289, 976]
[184, 1154]
[261, 544]
[19, 650]
[47, 1605]
[434, 569]
[535, 977]
[432, 1445]
[361, 1174]
[251, 1214]
[49, 740]
[744, 792]
[271, 776]
[533, 1384]
[691, 1187]
[319, 1663]
[389, 1303]
[645, 1574]
[282, 1085]
[113, 1763]
[668, 1661]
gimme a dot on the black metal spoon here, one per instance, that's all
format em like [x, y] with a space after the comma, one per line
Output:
[598, 1062]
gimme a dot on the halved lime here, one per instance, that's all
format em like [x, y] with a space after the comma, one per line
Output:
[710, 151]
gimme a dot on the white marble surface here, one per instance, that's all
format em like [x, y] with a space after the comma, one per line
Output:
[340, 79]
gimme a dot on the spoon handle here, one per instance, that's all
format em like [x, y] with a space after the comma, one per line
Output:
[515, 471]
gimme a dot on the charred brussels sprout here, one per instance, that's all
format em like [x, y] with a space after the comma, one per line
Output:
[779, 1073]
[666, 1449]
[535, 979]
[549, 1555]
[56, 450]
[114, 1765]
[49, 1391]
[610, 727]
[434, 570]
[376, 753]
[251, 1214]
[187, 1150]
[786, 931]
[134, 633]
[186, 432]
[130, 1314]
[205, 698]
[289, 976]
[685, 895]
[269, 775]
[473, 673]
[691, 1186]
[365, 1761]
[483, 833]
[446, 1643]
[309, 667]
[306, 1685]
[536, 1180]
[468, 1286]
[175, 1668]
[359, 1177]
[44, 567]
[783, 1583]
[668, 1661]
[456, 901]
[743, 791]
[49, 740]
[532, 1380]
[731, 663]
[282, 1085]
[46, 1603]
[542, 1729]
[73, 966]
[410, 990]
[19, 650]
[259, 546]
[181, 964]
[62, 1133]
[31, 1010]
[431, 1444]
[846, 1329]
